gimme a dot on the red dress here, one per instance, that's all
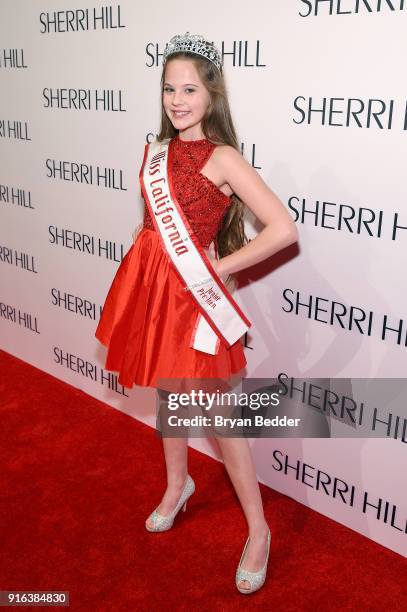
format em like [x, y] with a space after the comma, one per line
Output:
[147, 318]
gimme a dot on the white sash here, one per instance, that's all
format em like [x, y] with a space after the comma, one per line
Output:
[220, 317]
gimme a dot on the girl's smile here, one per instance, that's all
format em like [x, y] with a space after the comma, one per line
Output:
[179, 114]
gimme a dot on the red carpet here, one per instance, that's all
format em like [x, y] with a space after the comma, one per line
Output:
[78, 480]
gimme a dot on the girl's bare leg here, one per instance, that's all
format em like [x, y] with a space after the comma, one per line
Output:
[239, 464]
[176, 460]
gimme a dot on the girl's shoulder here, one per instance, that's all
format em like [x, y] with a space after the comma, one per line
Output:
[163, 141]
[226, 153]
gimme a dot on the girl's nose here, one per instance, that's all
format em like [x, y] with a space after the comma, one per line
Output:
[177, 99]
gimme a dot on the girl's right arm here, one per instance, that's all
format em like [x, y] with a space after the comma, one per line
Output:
[137, 231]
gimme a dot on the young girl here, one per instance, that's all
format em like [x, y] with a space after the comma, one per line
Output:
[153, 327]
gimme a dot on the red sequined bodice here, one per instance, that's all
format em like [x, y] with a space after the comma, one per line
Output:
[203, 203]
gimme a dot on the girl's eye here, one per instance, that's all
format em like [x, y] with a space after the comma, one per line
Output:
[170, 89]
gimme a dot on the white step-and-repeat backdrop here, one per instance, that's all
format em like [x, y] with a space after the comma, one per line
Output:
[318, 96]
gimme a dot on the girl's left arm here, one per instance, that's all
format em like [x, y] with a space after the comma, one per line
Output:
[280, 230]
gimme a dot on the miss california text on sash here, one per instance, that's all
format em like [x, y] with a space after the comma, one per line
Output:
[170, 314]
[220, 313]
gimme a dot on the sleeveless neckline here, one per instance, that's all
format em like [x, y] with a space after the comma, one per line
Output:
[202, 201]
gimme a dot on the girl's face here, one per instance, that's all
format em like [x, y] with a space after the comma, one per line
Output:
[185, 98]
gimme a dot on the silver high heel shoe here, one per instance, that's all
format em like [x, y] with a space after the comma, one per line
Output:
[256, 579]
[163, 523]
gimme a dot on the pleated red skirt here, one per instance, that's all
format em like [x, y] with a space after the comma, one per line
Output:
[147, 322]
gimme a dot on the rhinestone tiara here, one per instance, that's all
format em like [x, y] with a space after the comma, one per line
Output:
[194, 43]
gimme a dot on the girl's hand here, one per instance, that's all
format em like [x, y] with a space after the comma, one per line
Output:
[137, 231]
[230, 284]
[211, 255]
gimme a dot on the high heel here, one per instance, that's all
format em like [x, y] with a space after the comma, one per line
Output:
[256, 579]
[163, 523]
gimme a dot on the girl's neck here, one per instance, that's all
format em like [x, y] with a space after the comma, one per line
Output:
[191, 137]
[189, 142]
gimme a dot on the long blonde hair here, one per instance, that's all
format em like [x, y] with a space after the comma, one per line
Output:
[217, 126]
